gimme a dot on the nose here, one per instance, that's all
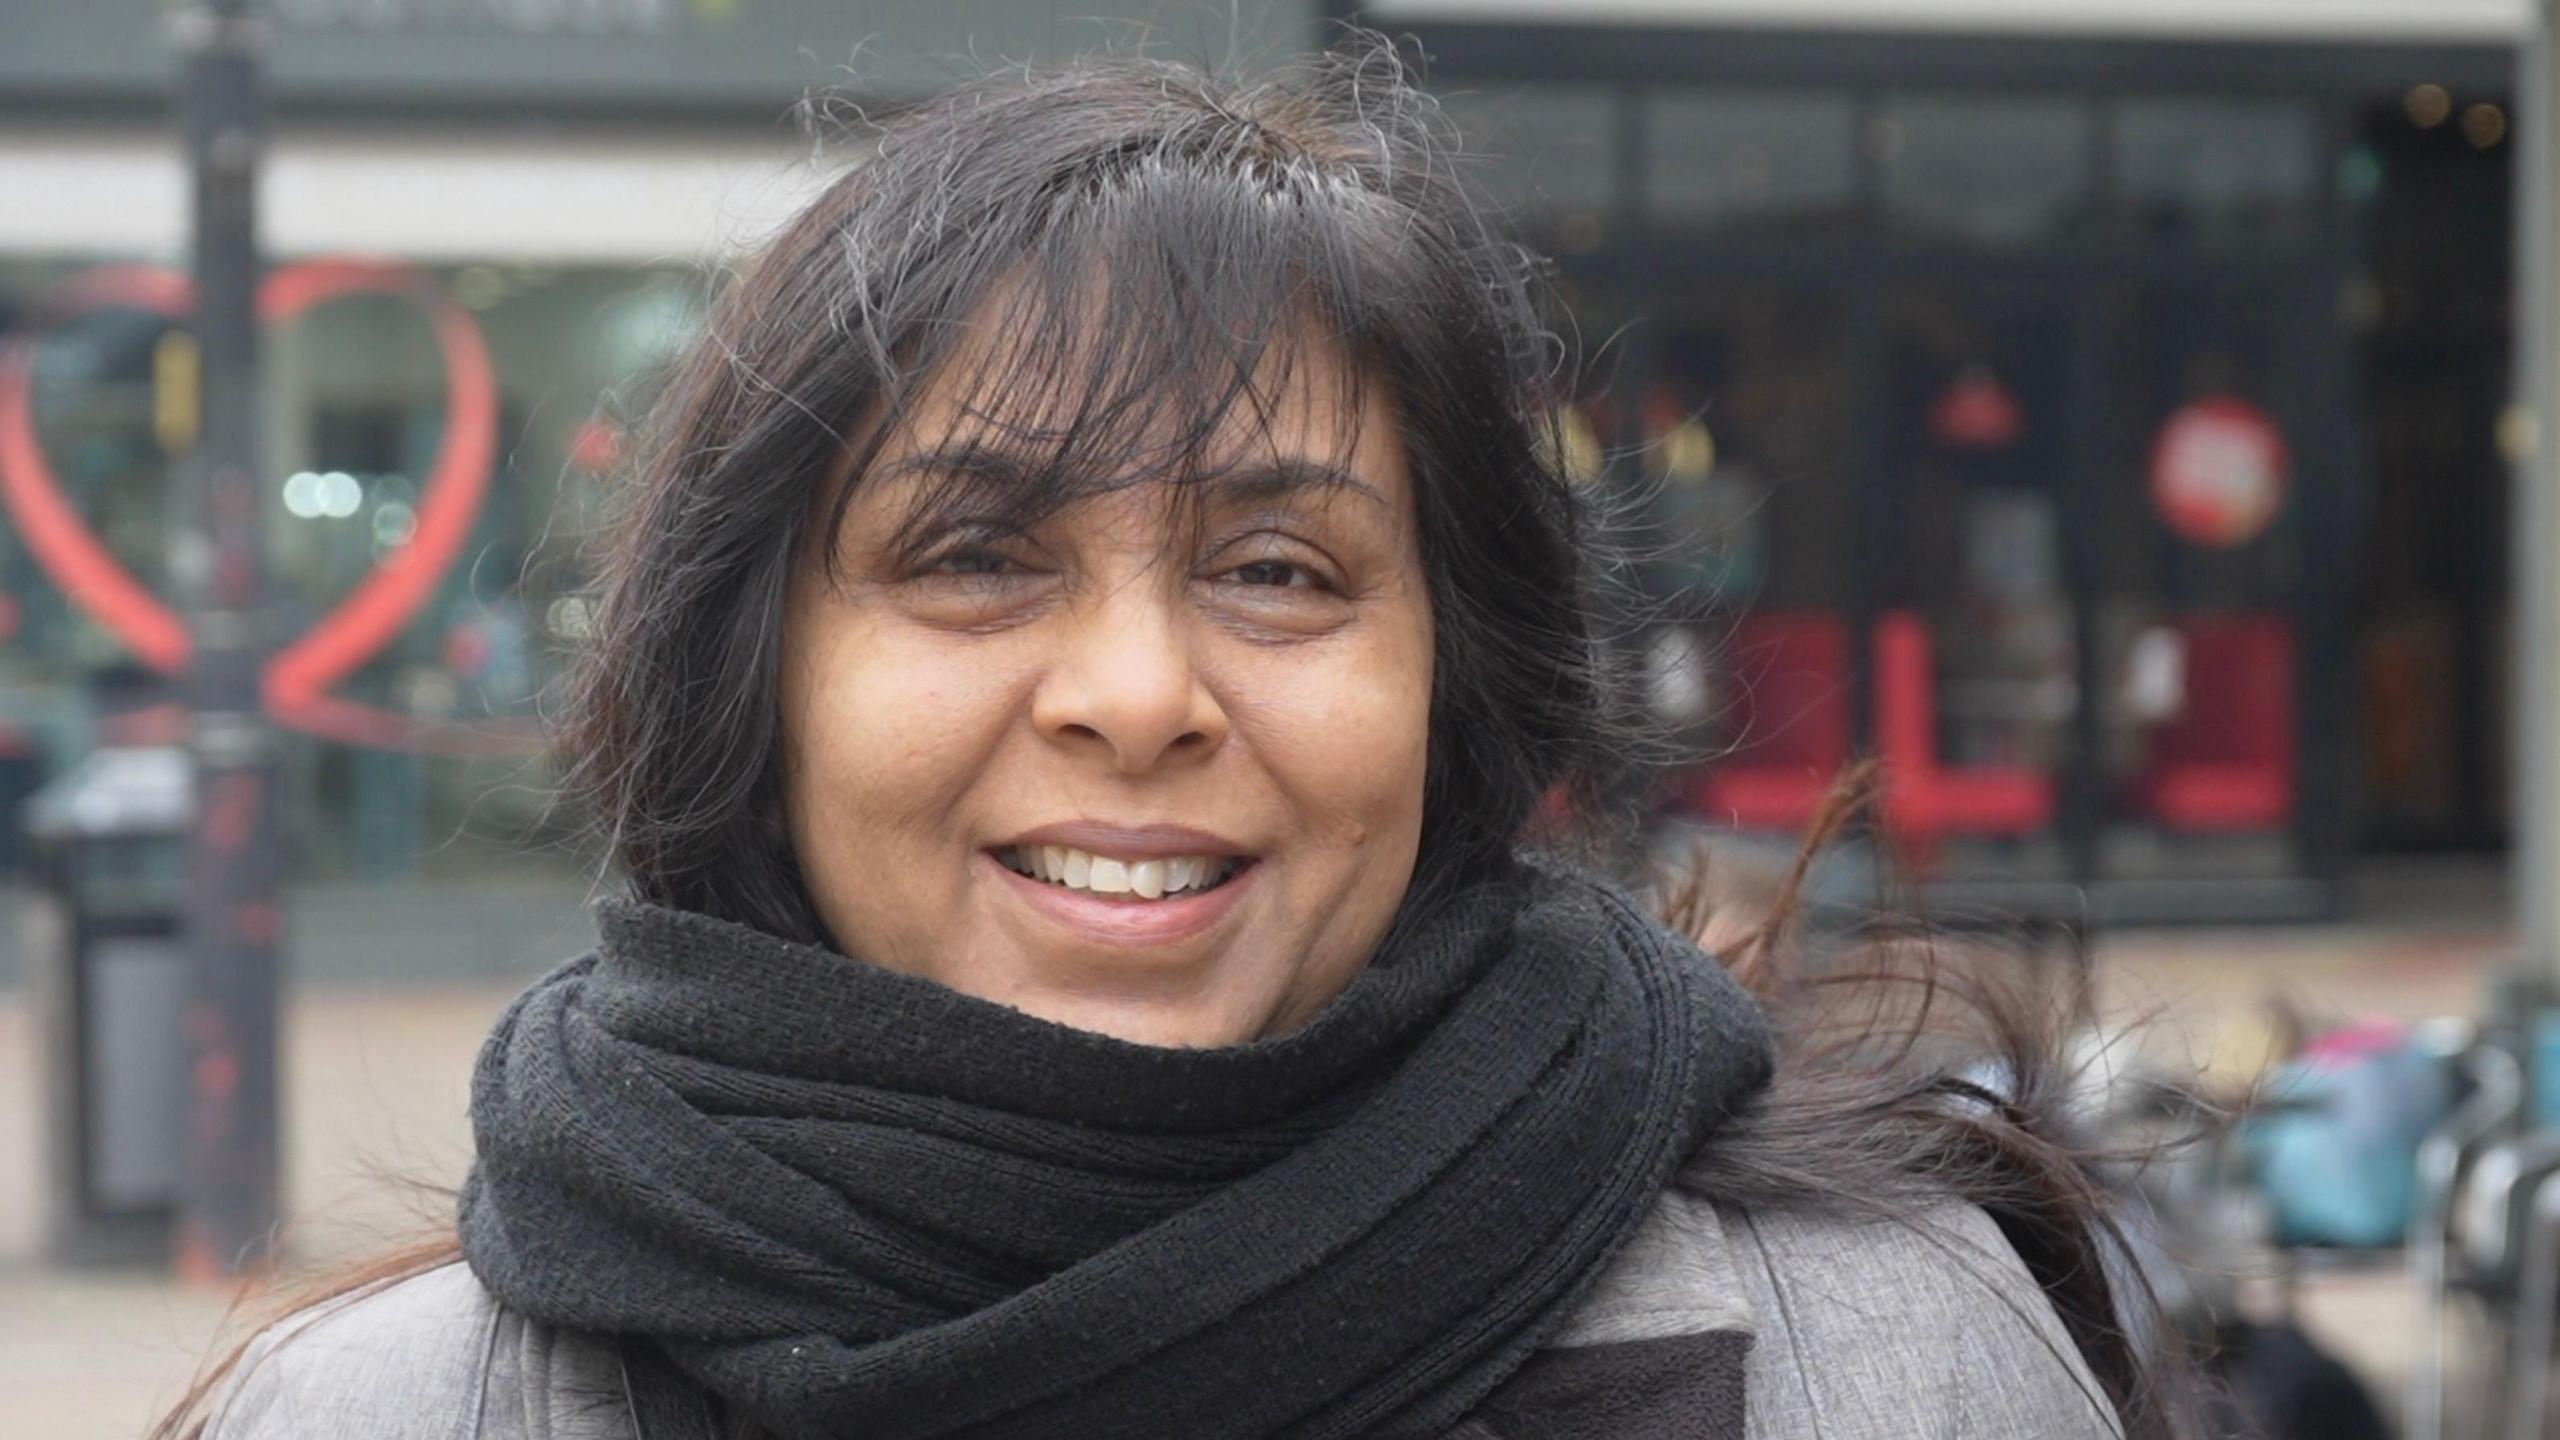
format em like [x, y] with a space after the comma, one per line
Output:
[1122, 683]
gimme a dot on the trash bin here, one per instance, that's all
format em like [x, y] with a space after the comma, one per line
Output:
[107, 842]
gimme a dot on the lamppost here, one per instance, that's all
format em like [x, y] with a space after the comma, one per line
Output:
[227, 1203]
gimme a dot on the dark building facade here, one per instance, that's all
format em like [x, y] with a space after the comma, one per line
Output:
[2101, 425]
[2102, 428]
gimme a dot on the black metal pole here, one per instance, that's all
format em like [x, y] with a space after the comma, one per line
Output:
[228, 1191]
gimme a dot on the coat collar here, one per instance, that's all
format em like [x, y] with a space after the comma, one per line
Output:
[1674, 1277]
[1660, 1347]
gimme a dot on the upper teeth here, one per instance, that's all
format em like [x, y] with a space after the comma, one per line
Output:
[1103, 875]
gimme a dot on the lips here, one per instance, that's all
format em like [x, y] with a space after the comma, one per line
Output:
[1125, 886]
[1136, 879]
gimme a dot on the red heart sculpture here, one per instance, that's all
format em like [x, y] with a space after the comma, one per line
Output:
[298, 675]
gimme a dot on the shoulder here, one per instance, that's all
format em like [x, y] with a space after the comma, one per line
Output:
[430, 1357]
[1808, 1321]
[399, 1361]
[1892, 1327]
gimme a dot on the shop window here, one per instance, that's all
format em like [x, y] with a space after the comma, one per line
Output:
[1749, 157]
[1971, 653]
[2216, 171]
[2198, 571]
[382, 778]
[1992, 171]
[1548, 154]
[1742, 440]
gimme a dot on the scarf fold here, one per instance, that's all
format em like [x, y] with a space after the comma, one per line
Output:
[852, 1202]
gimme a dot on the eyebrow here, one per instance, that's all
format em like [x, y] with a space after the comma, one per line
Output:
[1264, 481]
[1000, 471]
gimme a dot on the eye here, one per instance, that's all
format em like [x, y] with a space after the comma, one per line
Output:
[972, 562]
[1277, 585]
[1275, 573]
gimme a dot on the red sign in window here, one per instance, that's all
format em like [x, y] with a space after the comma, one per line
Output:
[2218, 471]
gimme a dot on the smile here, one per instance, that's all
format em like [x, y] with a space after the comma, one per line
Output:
[1103, 875]
[1157, 904]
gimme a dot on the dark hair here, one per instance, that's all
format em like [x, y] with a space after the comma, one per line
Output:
[1146, 248]
[1142, 251]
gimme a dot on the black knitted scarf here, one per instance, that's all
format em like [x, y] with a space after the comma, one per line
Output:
[849, 1202]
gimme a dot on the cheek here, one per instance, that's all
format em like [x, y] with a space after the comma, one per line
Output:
[882, 737]
[1348, 741]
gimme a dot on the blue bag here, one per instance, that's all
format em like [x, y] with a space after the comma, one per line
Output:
[2335, 1151]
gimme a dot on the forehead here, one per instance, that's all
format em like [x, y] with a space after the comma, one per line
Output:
[1024, 374]
[1021, 415]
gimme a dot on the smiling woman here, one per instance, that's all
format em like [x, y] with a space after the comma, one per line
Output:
[1160, 751]
[1090, 631]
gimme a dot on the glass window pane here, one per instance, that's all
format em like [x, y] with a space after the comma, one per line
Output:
[2198, 561]
[1994, 171]
[1749, 156]
[1542, 148]
[2216, 169]
[1744, 440]
[1971, 656]
[357, 393]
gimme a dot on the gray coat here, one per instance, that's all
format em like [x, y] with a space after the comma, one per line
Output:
[1855, 1331]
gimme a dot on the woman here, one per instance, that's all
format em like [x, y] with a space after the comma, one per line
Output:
[1093, 623]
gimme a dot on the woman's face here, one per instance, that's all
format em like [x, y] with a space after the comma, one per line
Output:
[1149, 770]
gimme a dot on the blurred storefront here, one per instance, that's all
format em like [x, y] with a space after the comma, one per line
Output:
[2091, 409]
[488, 224]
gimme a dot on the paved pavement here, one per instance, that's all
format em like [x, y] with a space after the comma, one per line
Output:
[2206, 1000]
[489, 930]
[381, 1030]
[393, 988]
[375, 1079]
